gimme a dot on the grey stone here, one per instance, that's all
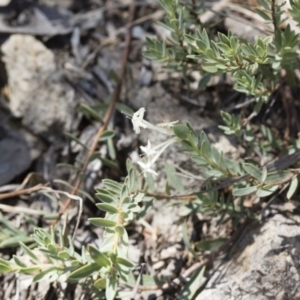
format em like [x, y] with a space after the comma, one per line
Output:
[38, 94]
[18, 149]
[264, 265]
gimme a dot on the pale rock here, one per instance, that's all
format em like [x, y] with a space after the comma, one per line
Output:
[38, 93]
[265, 264]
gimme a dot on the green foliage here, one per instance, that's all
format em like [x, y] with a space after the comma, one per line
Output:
[255, 69]
[54, 257]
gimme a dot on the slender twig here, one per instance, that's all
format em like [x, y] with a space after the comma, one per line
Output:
[193, 12]
[23, 191]
[273, 9]
[107, 117]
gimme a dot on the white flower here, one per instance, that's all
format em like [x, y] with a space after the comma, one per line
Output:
[148, 150]
[137, 120]
[147, 168]
[153, 154]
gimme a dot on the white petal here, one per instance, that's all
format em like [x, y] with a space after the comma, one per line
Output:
[146, 168]
[148, 150]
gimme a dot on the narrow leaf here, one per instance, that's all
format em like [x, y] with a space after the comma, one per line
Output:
[292, 188]
[181, 131]
[125, 262]
[210, 244]
[29, 252]
[244, 191]
[173, 178]
[107, 208]
[106, 135]
[111, 287]
[84, 271]
[192, 286]
[265, 191]
[102, 222]
[98, 257]
[253, 171]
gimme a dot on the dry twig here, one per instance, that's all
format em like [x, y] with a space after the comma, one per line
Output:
[107, 116]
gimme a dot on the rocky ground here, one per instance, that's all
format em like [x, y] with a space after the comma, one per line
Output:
[60, 57]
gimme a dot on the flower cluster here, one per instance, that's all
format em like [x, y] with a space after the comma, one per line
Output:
[152, 153]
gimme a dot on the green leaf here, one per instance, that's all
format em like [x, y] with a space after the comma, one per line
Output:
[89, 111]
[19, 262]
[107, 208]
[107, 197]
[14, 241]
[76, 140]
[29, 252]
[193, 285]
[204, 81]
[238, 192]
[253, 171]
[106, 135]
[210, 68]
[125, 262]
[63, 254]
[266, 191]
[181, 131]
[102, 222]
[5, 266]
[264, 174]
[200, 161]
[293, 187]
[112, 185]
[100, 284]
[30, 270]
[119, 230]
[124, 109]
[173, 178]
[48, 274]
[111, 149]
[98, 257]
[209, 244]
[111, 287]
[277, 176]
[84, 271]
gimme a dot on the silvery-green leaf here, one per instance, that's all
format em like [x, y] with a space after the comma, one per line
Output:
[264, 174]
[293, 187]
[192, 285]
[266, 191]
[29, 252]
[112, 185]
[277, 176]
[19, 262]
[30, 270]
[106, 135]
[46, 274]
[181, 131]
[5, 266]
[173, 178]
[125, 262]
[100, 284]
[107, 208]
[99, 257]
[107, 198]
[252, 171]
[84, 271]
[210, 68]
[209, 244]
[102, 222]
[244, 191]
[111, 287]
